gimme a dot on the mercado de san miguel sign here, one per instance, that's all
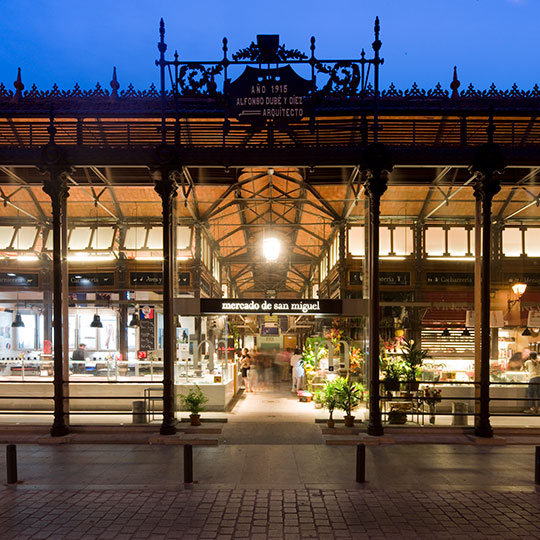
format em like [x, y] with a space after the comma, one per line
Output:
[274, 306]
[277, 94]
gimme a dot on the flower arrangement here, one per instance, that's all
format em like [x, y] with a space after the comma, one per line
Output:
[356, 360]
[431, 395]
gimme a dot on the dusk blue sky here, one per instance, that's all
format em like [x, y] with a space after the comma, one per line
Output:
[69, 41]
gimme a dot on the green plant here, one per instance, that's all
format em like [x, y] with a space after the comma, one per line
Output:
[397, 417]
[392, 368]
[194, 400]
[348, 393]
[330, 396]
[413, 358]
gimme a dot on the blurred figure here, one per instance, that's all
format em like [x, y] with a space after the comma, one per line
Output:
[515, 363]
[245, 365]
[297, 365]
[252, 373]
[532, 366]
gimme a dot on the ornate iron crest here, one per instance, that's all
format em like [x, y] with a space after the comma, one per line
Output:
[349, 77]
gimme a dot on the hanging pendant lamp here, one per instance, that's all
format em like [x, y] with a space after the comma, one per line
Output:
[18, 322]
[466, 332]
[446, 333]
[134, 320]
[96, 323]
[526, 332]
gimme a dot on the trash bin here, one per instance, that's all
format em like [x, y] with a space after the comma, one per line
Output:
[459, 411]
[138, 409]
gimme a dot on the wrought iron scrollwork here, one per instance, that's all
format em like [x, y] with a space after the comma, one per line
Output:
[253, 54]
[344, 78]
[197, 80]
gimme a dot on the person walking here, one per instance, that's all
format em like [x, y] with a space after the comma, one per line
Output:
[245, 364]
[532, 366]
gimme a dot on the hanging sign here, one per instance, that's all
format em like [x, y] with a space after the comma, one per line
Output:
[277, 94]
[9, 279]
[461, 279]
[260, 305]
[98, 279]
[148, 279]
[496, 319]
[528, 279]
[533, 319]
[392, 279]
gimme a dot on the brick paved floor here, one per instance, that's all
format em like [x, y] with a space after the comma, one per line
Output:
[224, 514]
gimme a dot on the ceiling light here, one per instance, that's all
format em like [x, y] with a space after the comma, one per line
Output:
[466, 332]
[446, 333]
[526, 332]
[271, 247]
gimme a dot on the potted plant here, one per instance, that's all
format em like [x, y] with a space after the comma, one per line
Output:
[194, 402]
[393, 371]
[397, 417]
[349, 395]
[330, 400]
[413, 358]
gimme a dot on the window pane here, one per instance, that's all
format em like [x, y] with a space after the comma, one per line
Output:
[135, 238]
[435, 241]
[25, 238]
[512, 242]
[155, 238]
[103, 238]
[384, 240]
[356, 241]
[403, 241]
[457, 241]
[79, 238]
[532, 245]
[6, 234]
[183, 237]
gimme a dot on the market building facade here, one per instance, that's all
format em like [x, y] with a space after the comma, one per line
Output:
[266, 199]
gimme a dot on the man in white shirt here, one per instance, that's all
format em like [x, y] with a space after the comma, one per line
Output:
[297, 365]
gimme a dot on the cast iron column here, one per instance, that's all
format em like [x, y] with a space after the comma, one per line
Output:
[56, 188]
[488, 162]
[377, 164]
[166, 188]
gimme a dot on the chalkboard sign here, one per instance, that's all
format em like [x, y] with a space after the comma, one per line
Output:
[146, 335]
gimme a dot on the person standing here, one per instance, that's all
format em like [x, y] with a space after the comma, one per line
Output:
[532, 365]
[297, 371]
[245, 363]
[78, 358]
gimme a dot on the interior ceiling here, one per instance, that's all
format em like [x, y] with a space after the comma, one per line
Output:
[239, 208]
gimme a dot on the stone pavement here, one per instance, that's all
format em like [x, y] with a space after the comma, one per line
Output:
[271, 491]
[270, 477]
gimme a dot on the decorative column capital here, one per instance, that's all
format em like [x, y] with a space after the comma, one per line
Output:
[54, 163]
[376, 164]
[487, 164]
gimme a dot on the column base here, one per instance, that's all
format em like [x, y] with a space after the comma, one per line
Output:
[167, 429]
[59, 430]
[375, 430]
[484, 430]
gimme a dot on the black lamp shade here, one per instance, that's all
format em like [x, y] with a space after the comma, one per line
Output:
[18, 322]
[526, 332]
[446, 333]
[96, 323]
[466, 332]
[134, 320]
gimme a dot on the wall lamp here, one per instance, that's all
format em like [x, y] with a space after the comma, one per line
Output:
[519, 290]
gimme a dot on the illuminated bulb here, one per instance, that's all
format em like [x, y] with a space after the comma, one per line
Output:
[519, 289]
[271, 248]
